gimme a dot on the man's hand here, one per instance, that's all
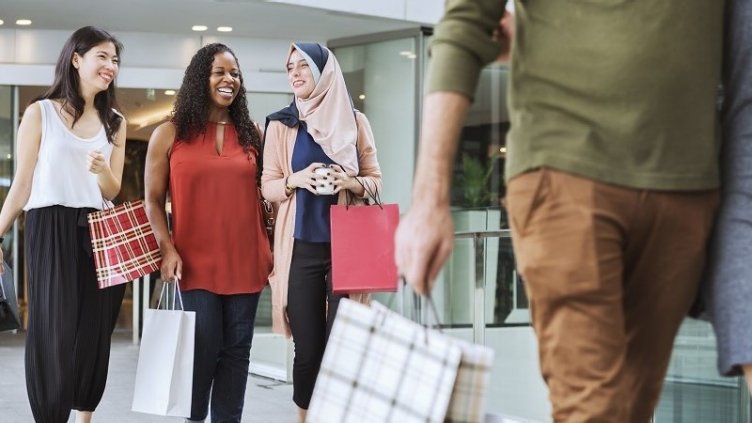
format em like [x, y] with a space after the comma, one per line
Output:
[504, 34]
[424, 238]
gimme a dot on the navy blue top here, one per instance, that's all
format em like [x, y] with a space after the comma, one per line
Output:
[311, 211]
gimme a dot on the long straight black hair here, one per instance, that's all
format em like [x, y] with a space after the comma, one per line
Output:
[66, 86]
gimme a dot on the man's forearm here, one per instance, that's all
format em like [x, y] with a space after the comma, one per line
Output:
[443, 117]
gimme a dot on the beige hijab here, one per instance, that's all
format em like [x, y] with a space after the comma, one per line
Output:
[328, 112]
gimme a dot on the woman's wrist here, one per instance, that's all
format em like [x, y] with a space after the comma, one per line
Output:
[288, 188]
[354, 185]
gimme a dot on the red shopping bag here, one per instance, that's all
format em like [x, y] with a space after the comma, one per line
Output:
[363, 248]
[123, 244]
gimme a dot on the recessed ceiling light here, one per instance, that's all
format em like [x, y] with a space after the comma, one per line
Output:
[23, 22]
[224, 28]
[1, 22]
[169, 92]
[362, 97]
[199, 27]
[406, 53]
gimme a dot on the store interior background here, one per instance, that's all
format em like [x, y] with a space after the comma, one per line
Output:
[382, 48]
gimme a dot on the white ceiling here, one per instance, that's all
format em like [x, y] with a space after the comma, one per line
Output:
[248, 18]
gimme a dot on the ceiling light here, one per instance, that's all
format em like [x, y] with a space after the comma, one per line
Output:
[224, 28]
[169, 92]
[1, 22]
[199, 27]
[23, 22]
[411, 56]
[406, 53]
[362, 96]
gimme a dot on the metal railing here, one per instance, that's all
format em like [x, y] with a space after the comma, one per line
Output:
[479, 333]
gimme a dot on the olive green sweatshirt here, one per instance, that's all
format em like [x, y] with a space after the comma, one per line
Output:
[619, 91]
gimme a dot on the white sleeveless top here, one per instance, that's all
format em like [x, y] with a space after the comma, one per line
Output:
[61, 176]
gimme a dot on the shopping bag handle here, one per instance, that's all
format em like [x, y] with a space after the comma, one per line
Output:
[416, 301]
[107, 204]
[175, 294]
[372, 194]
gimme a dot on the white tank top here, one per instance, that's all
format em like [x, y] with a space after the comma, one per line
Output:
[61, 176]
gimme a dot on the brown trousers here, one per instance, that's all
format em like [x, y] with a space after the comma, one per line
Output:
[610, 273]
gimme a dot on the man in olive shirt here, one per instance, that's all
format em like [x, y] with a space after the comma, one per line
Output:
[612, 181]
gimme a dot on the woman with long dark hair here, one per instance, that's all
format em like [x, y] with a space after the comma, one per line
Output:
[71, 144]
[319, 132]
[206, 156]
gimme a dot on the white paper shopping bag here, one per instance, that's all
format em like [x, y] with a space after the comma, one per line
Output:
[164, 375]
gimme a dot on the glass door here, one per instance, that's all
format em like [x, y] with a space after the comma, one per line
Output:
[8, 125]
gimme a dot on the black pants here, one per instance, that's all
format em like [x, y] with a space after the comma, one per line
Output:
[309, 292]
[70, 318]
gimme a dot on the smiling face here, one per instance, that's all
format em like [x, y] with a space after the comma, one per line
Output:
[224, 79]
[299, 76]
[98, 67]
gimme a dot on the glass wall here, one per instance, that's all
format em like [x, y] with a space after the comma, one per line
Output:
[7, 167]
[381, 75]
[6, 142]
[693, 391]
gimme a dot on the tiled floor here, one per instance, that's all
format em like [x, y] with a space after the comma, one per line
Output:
[266, 401]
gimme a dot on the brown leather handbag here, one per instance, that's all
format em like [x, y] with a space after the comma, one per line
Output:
[268, 216]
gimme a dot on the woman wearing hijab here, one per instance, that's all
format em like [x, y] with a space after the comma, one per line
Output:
[319, 129]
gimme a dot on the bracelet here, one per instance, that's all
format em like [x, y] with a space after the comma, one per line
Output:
[288, 188]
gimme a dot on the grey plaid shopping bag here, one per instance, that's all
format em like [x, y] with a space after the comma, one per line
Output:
[468, 403]
[380, 367]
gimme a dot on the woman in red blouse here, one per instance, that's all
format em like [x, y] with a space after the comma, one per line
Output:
[207, 156]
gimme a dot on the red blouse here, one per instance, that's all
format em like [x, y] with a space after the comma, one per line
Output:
[217, 224]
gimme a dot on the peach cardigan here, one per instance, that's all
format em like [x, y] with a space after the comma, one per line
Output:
[280, 141]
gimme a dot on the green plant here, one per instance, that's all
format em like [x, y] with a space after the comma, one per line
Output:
[475, 177]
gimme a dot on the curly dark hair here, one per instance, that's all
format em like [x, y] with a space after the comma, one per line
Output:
[191, 112]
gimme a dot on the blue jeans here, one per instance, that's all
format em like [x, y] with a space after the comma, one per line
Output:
[224, 330]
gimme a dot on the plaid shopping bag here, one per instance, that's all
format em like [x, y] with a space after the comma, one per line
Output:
[468, 403]
[123, 244]
[380, 367]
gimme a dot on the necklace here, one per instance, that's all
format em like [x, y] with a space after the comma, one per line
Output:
[221, 122]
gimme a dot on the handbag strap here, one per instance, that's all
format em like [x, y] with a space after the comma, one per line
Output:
[2, 289]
